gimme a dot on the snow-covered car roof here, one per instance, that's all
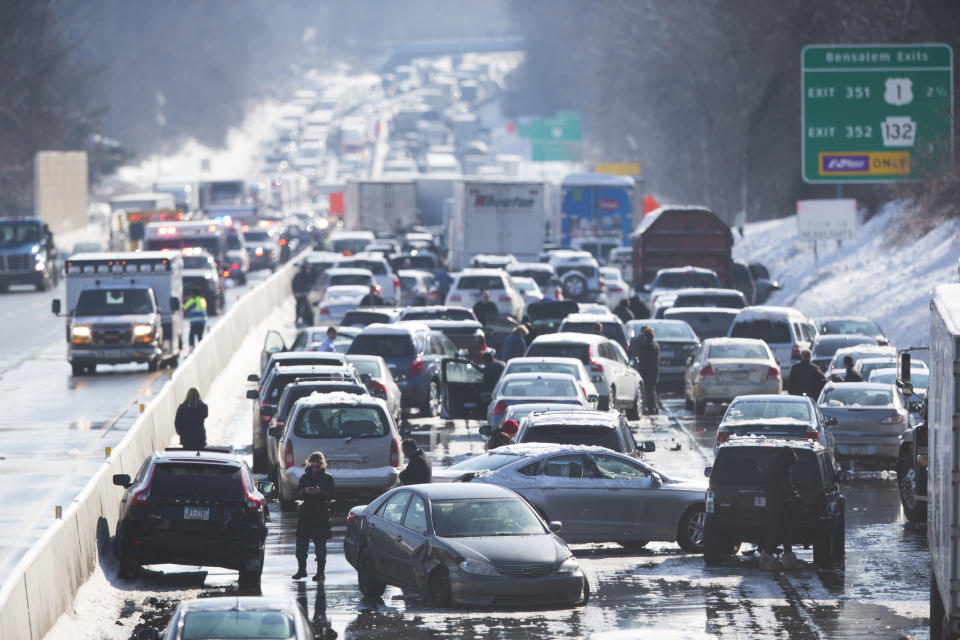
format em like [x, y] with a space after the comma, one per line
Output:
[769, 313]
[340, 398]
[403, 327]
[345, 271]
[592, 317]
[574, 418]
[569, 336]
[764, 441]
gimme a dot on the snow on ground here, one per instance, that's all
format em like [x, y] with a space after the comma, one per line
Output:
[882, 274]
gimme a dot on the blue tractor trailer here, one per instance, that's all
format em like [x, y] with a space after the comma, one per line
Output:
[597, 212]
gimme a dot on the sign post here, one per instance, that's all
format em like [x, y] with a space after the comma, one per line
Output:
[876, 113]
[826, 220]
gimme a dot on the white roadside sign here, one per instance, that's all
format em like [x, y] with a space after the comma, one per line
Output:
[826, 220]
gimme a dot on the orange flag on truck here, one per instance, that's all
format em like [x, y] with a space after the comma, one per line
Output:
[649, 204]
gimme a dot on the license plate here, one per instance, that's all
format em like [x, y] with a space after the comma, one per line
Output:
[340, 465]
[112, 354]
[760, 501]
[196, 513]
[858, 450]
[741, 375]
[469, 405]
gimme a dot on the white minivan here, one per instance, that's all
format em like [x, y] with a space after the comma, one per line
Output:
[785, 330]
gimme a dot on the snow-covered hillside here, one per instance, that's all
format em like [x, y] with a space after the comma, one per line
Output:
[881, 274]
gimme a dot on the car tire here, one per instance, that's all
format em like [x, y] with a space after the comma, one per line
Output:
[77, 369]
[128, 567]
[717, 545]
[636, 408]
[367, 580]
[575, 287]
[286, 505]
[634, 545]
[828, 548]
[153, 364]
[251, 577]
[690, 532]
[433, 402]
[585, 594]
[913, 509]
[438, 587]
[259, 460]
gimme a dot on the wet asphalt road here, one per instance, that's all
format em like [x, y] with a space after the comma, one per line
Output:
[660, 592]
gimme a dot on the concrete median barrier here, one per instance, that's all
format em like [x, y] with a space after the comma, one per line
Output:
[44, 583]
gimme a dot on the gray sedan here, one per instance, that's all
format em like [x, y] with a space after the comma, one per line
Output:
[599, 495]
[520, 388]
[870, 418]
[476, 544]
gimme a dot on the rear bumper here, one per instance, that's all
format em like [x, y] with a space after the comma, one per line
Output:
[756, 530]
[197, 549]
[727, 392]
[879, 450]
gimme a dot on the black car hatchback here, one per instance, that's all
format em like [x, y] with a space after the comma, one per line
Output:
[193, 508]
[736, 499]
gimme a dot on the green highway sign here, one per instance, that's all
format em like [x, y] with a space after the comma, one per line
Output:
[557, 139]
[876, 113]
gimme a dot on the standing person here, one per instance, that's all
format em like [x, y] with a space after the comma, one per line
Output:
[515, 344]
[850, 375]
[781, 498]
[301, 291]
[806, 378]
[419, 470]
[622, 311]
[639, 308]
[316, 489]
[485, 309]
[645, 352]
[372, 299]
[327, 344]
[196, 308]
[503, 435]
[492, 370]
[189, 421]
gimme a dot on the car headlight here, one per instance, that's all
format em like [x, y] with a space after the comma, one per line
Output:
[140, 330]
[80, 334]
[478, 568]
[570, 565]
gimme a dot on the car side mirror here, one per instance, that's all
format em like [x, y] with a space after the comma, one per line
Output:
[831, 421]
[267, 488]
[556, 526]
[486, 430]
[649, 446]
[174, 303]
[253, 394]
[253, 378]
[55, 306]
[275, 432]
[655, 481]
[121, 480]
[593, 398]
[707, 471]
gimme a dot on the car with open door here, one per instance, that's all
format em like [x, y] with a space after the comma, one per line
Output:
[275, 350]
[547, 316]
[462, 390]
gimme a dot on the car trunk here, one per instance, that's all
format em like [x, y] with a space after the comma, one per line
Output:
[193, 498]
[728, 371]
[738, 481]
[863, 421]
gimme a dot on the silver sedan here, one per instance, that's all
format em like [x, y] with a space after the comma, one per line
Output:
[599, 495]
[870, 418]
[521, 388]
[375, 374]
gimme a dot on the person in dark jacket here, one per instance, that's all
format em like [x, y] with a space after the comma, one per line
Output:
[372, 299]
[492, 370]
[622, 311]
[302, 283]
[316, 489]
[419, 470]
[515, 344]
[189, 421]
[782, 497]
[485, 309]
[850, 375]
[503, 435]
[806, 378]
[638, 308]
[645, 353]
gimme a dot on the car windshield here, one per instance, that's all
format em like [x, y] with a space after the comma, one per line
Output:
[382, 345]
[486, 462]
[593, 436]
[744, 466]
[349, 278]
[862, 327]
[770, 331]
[476, 518]
[560, 350]
[686, 280]
[480, 282]
[340, 422]
[664, 331]
[844, 396]
[767, 410]
[541, 276]
[919, 378]
[197, 262]
[237, 624]
[827, 346]
[544, 387]
[414, 262]
[542, 367]
[709, 300]
[742, 351]
[353, 245]
[13, 234]
[114, 302]
[196, 480]
[363, 318]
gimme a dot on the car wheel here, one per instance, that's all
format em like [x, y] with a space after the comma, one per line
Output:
[825, 548]
[717, 545]
[259, 460]
[438, 587]
[575, 287]
[249, 577]
[913, 509]
[129, 567]
[286, 505]
[636, 408]
[431, 406]
[153, 364]
[699, 407]
[367, 580]
[77, 369]
[690, 532]
[585, 597]
[634, 545]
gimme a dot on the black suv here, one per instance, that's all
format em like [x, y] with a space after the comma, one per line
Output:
[736, 500]
[193, 508]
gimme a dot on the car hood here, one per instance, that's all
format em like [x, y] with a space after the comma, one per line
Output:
[536, 549]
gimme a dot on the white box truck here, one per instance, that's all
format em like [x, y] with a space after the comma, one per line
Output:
[498, 216]
[943, 419]
[380, 205]
[123, 307]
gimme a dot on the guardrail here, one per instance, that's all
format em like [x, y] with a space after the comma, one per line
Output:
[44, 583]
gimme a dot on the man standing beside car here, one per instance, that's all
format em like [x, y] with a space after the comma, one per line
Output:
[781, 497]
[645, 352]
[419, 470]
[806, 378]
[316, 489]
[851, 375]
[485, 309]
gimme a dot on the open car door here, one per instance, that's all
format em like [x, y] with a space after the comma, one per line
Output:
[462, 386]
[273, 343]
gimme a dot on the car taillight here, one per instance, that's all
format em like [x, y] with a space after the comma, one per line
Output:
[594, 365]
[706, 371]
[279, 423]
[396, 282]
[416, 366]
[234, 266]
[896, 418]
[377, 389]
[602, 283]
[795, 352]
[324, 311]
[504, 298]
[811, 434]
[455, 297]
[226, 273]
[264, 405]
[433, 295]
[615, 289]
[773, 372]
[283, 242]
[394, 453]
[499, 408]
[140, 497]
[253, 503]
[378, 288]
[723, 434]
[350, 517]
[288, 455]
